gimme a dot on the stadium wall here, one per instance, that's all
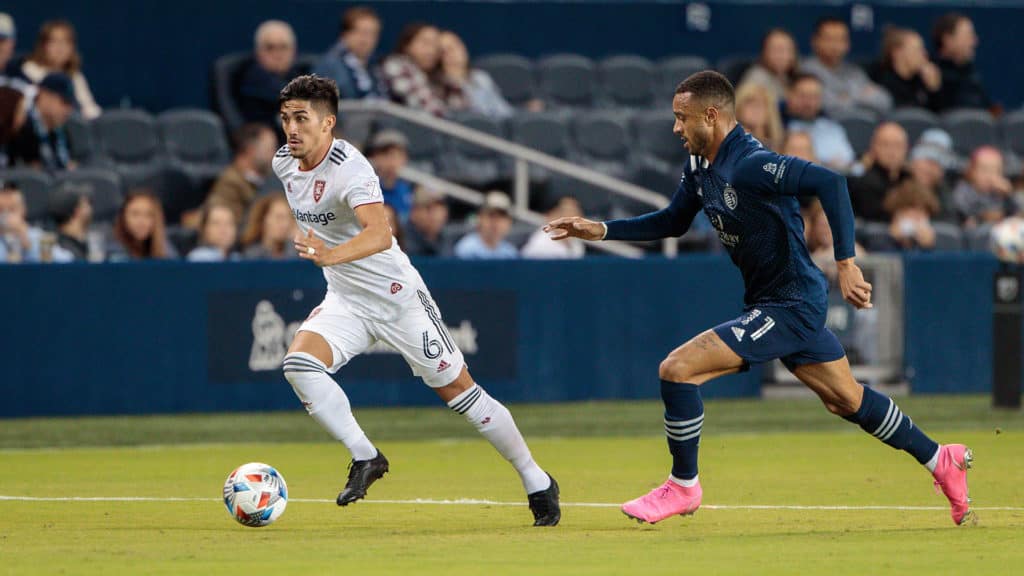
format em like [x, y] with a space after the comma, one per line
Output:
[156, 55]
[179, 337]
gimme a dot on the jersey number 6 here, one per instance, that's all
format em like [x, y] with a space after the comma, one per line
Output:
[431, 348]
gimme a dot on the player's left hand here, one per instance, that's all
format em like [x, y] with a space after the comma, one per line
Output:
[856, 290]
[318, 254]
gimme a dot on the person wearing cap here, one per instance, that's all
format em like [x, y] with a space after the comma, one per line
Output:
[71, 210]
[56, 52]
[42, 141]
[930, 160]
[882, 167]
[426, 234]
[494, 221]
[387, 151]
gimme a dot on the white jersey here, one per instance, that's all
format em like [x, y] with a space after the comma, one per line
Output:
[324, 200]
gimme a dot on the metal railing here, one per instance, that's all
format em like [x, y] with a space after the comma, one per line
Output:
[522, 157]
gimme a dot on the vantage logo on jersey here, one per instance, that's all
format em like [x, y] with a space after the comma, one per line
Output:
[314, 218]
[318, 189]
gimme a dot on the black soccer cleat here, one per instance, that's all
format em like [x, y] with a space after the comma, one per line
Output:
[361, 474]
[544, 505]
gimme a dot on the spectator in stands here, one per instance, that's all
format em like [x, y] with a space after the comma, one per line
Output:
[13, 112]
[481, 93]
[984, 194]
[800, 145]
[56, 52]
[541, 246]
[411, 72]
[348, 61]
[71, 210]
[139, 232]
[911, 207]
[757, 110]
[776, 67]
[846, 86]
[218, 231]
[906, 72]
[236, 187]
[19, 242]
[262, 78]
[8, 37]
[426, 233]
[387, 152]
[803, 114]
[42, 141]
[883, 166]
[493, 225]
[270, 229]
[930, 159]
[396, 225]
[818, 235]
[955, 41]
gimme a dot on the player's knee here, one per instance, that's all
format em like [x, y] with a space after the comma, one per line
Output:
[298, 365]
[676, 368]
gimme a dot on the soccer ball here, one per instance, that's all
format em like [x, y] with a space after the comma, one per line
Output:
[255, 494]
[1007, 240]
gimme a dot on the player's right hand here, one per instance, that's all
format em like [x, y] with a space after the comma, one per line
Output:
[575, 227]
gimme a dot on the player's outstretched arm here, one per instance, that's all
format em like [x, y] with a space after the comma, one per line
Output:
[575, 227]
[376, 236]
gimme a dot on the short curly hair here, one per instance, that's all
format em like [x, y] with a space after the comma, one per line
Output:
[711, 87]
[321, 92]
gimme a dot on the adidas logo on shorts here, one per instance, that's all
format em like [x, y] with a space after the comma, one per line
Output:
[443, 366]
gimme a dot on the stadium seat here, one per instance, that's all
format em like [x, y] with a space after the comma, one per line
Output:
[977, 239]
[194, 137]
[948, 237]
[102, 186]
[81, 140]
[860, 127]
[914, 121]
[222, 75]
[970, 130]
[594, 201]
[1013, 132]
[672, 71]
[513, 74]
[567, 80]
[603, 142]
[548, 132]
[355, 127]
[474, 165]
[129, 138]
[35, 186]
[628, 81]
[425, 145]
[733, 67]
[654, 140]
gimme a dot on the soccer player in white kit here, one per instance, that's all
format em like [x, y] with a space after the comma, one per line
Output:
[373, 294]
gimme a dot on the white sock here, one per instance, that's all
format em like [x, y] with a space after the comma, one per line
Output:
[684, 483]
[934, 461]
[326, 402]
[495, 423]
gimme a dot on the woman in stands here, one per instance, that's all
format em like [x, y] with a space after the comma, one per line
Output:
[905, 70]
[482, 95]
[269, 231]
[218, 232]
[139, 230]
[411, 72]
[757, 110]
[777, 64]
[56, 51]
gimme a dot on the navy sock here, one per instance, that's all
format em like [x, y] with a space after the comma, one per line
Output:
[882, 418]
[684, 418]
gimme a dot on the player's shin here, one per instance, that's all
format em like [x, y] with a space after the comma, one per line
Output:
[879, 416]
[326, 402]
[495, 423]
[684, 419]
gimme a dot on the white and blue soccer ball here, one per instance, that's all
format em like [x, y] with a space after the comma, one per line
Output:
[255, 494]
[1007, 240]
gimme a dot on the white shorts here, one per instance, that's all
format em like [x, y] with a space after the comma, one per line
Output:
[419, 335]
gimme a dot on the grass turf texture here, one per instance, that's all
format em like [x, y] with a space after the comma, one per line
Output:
[753, 453]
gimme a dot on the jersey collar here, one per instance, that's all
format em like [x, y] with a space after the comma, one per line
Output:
[723, 149]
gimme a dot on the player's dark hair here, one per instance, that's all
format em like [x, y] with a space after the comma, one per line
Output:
[248, 135]
[408, 34]
[711, 87]
[322, 93]
[825, 21]
[350, 17]
[944, 26]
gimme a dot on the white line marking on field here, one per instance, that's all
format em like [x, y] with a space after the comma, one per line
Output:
[476, 502]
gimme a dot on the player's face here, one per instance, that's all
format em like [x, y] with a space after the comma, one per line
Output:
[692, 124]
[305, 128]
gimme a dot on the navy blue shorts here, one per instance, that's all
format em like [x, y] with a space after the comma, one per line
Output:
[797, 337]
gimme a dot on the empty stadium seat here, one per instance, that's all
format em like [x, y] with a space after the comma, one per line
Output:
[734, 66]
[513, 74]
[35, 186]
[1013, 132]
[102, 186]
[654, 139]
[194, 136]
[474, 165]
[547, 132]
[914, 121]
[130, 139]
[628, 81]
[222, 76]
[873, 235]
[970, 130]
[603, 142]
[977, 238]
[595, 202]
[425, 145]
[81, 140]
[860, 127]
[672, 71]
[948, 237]
[567, 80]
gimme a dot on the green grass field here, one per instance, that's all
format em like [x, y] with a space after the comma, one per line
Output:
[788, 490]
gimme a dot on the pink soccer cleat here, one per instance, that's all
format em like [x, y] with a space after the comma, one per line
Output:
[666, 500]
[951, 477]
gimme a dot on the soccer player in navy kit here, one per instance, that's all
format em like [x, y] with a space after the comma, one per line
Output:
[749, 194]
